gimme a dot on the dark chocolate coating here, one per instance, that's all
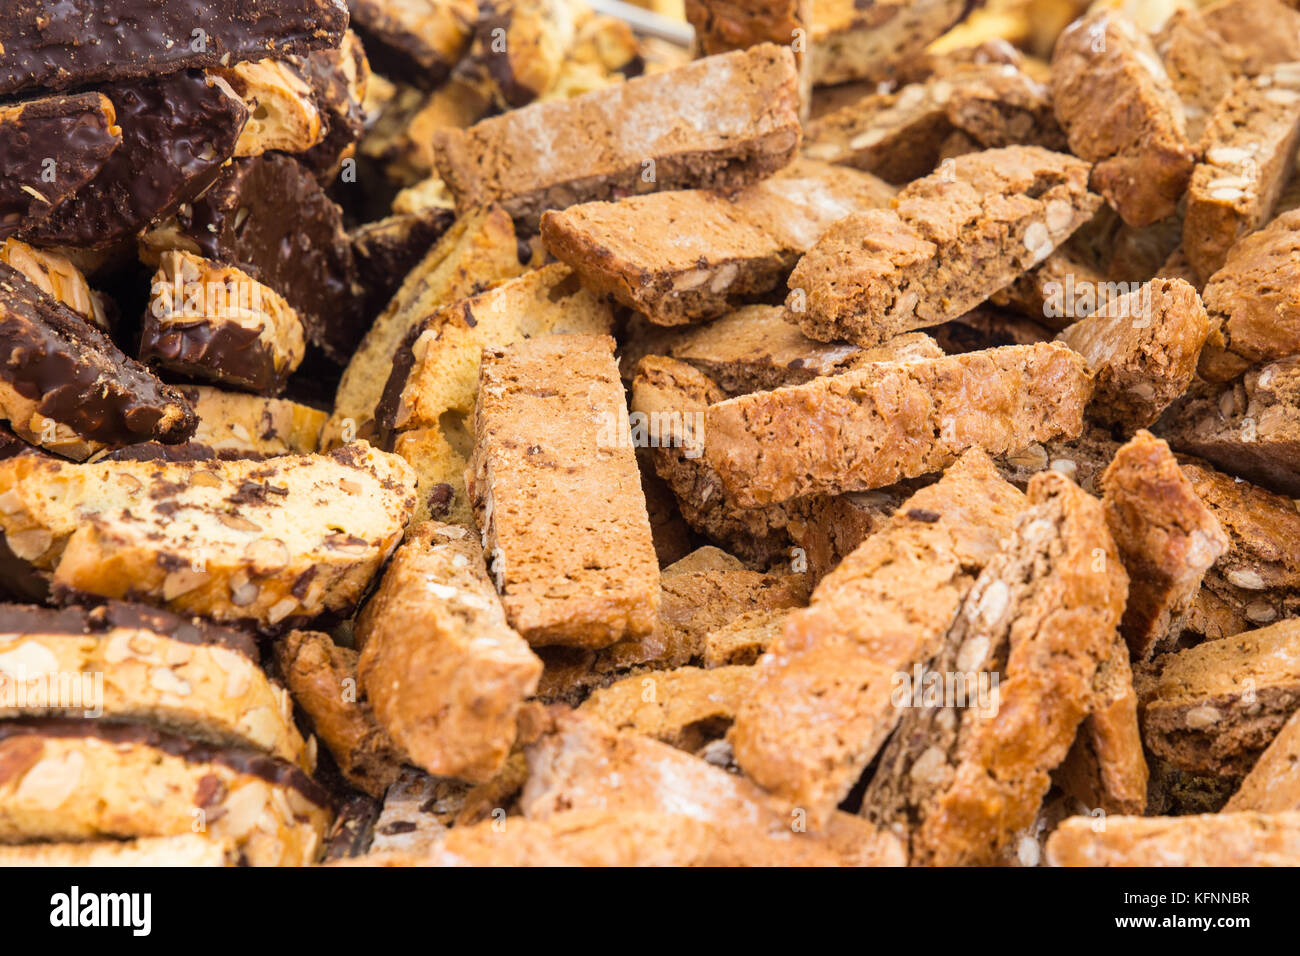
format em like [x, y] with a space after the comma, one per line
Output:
[77, 132]
[77, 376]
[344, 117]
[94, 621]
[268, 216]
[273, 770]
[176, 134]
[404, 55]
[388, 250]
[57, 45]
[216, 350]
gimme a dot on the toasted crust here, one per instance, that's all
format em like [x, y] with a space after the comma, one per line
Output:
[234, 424]
[282, 113]
[878, 41]
[685, 708]
[1216, 839]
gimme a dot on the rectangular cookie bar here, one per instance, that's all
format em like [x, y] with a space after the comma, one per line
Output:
[727, 248]
[1249, 154]
[216, 322]
[881, 423]
[1121, 112]
[742, 124]
[952, 239]
[1142, 350]
[86, 779]
[551, 464]
[821, 707]
[1167, 538]
[1211, 839]
[1042, 616]
[444, 674]
[272, 543]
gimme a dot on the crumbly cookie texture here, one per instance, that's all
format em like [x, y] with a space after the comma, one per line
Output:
[687, 708]
[876, 42]
[557, 493]
[272, 543]
[444, 673]
[821, 706]
[1212, 839]
[1273, 784]
[742, 124]
[881, 423]
[952, 239]
[85, 780]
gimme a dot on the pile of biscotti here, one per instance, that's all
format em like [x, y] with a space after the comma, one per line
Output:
[468, 433]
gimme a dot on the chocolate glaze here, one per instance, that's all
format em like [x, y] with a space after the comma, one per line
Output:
[403, 362]
[185, 451]
[77, 132]
[77, 376]
[404, 55]
[217, 350]
[388, 250]
[96, 621]
[78, 42]
[176, 134]
[273, 770]
[343, 115]
[268, 216]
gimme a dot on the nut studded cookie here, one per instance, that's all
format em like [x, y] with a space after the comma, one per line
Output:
[1042, 615]
[1120, 110]
[86, 780]
[444, 674]
[743, 124]
[136, 664]
[56, 275]
[821, 706]
[282, 112]
[1211, 839]
[239, 425]
[556, 491]
[216, 322]
[272, 542]
[1142, 350]
[1249, 144]
[952, 239]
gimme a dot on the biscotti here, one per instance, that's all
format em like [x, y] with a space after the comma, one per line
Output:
[238, 425]
[1120, 109]
[1250, 145]
[742, 124]
[1253, 302]
[1215, 839]
[821, 705]
[85, 780]
[419, 44]
[444, 674]
[852, 42]
[1166, 535]
[1142, 350]
[57, 276]
[743, 640]
[218, 323]
[66, 387]
[282, 112]
[1216, 706]
[548, 424]
[728, 249]
[870, 435]
[139, 665]
[1273, 785]
[952, 239]
[186, 849]
[271, 543]
[1041, 615]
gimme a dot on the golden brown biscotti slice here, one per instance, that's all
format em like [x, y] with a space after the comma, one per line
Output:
[1250, 427]
[1249, 154]
[433, 379]
[1273, 784]
[235, 424]
[705, 558]
[478, 250]
[825, 529]
[821, 706]
[444, 673]
[876, 42]
[1253, 302]
[742, 640]
[1216, 706]
[1142, 350]
[417, 813]
[686, 708]
[557, 493]
[520, 49]
[86, 780]
[727, 248]
[1167, 538]
[881, 423]
[58, 276]
[282, 112]
[127, 663]
[1257, 581]
[584, 765]
[186, 849]
[1041, 616]
[1117, 103]
[952, 239]
[214, 321]
[724, 25]
[272, 543]
[419, 42]
[719, 122]
[322, 679]
[1212, 839]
